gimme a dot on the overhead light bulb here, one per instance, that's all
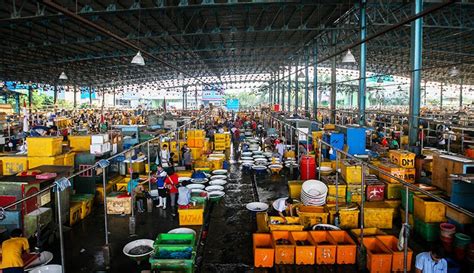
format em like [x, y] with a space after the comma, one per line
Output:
[63, 76]
[348, 58]
[138, 59]
[454, 72]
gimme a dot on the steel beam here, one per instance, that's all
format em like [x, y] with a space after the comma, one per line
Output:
[363, 62]
[283, 91]
[278, 86]
[297, 88]
[415, 79]
[315, 81]
[306, 83]
[289, 88]
[333, 83]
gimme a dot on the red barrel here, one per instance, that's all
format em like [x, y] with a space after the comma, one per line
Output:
[307, 168]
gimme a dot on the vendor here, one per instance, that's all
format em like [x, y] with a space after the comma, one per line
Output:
[281, 205]
[184, 197]
[432, 261]
[43, 131]
[12, 249]
[160, 177]
[134, 188]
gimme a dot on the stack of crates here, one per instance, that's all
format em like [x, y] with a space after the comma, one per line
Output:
[174, 253]
[13, 164]
[401, 165]
[47, 151]
[195, 138]
[220, 142]
[428, 213]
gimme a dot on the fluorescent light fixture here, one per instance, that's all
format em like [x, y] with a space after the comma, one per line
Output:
[348, 58]
[63, 76]
[138, 59]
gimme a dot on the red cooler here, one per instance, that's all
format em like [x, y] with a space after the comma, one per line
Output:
[307, 168]
[276, 107]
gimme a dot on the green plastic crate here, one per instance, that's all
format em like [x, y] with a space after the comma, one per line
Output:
[166, 263]
[169, 239]
[428, 231]
[410, 199]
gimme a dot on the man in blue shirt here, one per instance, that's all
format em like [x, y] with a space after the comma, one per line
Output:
[432, 261]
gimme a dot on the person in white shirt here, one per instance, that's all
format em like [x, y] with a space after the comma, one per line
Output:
[431, 261]
[164, 156]
[280, 147]
[281, 205]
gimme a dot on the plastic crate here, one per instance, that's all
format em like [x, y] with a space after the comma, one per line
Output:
[312, 215]
[170, 239]
[345, 247]
[348, 218]
[402, 158]
[351, 172]
[284, 254]
[304, 254]
[379, 257]
[191, 217]
[325, 247]
[44, 146]
[378, 215]
[80, 143]
[294, 188]
[293, 223]
[172, 258]
[429, 210]
[428, 231]
[391, 242]
[263, 251]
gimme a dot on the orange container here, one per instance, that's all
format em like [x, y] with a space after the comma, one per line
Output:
[379, 257]
[325, 247]
[263, 252]
[303, 254]
[345, 247]
[191, 142]
[284, 254]
[391, 242]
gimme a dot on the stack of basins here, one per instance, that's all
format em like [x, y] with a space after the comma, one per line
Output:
[313, 193]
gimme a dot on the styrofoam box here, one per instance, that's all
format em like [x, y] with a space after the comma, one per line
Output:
[100, 148]
[100, 139]
[114, 148]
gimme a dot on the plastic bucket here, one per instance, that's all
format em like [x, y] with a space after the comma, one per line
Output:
[447, 229]
[461, 240]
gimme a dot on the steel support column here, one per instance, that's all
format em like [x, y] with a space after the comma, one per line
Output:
[75, 96]
[184, 92]
[415, 80]
[306, 83]
[333, 82]
[278, 86]
[363, 63]
[55, 94]
[270, 90]
[460, 93]
[297, 87]
[441, 97]
[289, 88]
[90, 96]
[283, 91]
[315, 82]
[30, 98]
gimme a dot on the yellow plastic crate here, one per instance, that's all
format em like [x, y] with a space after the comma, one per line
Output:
[317, 135]
[411, 219]
[99, 197]
[44, 146]
[429, 210]
[12, 165]
[392, 190]
[191, 217]
[219, 137]
[35, 161]
[408, 175]
[402, 158]
[312, 215]
[294, 188]
[293, 224]
[196, 153]
[351, 172]
[219, 147]
[80, 143]
[184, 173]
[329, 127]
[74, 213]
[378, 214]
[69, 159]
[348, 217]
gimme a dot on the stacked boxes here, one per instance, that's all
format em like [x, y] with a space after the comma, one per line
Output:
[100, 144]
[195, 138]
[80, 143]
[47, 151]
[14, 164]
[220, 142]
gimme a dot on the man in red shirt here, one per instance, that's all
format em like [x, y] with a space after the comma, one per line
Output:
[171, 183]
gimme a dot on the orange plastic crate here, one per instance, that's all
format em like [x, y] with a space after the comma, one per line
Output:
[379, 257]
[303, 254]
[346, 247]
[284, 254]
[391, 242]
[325, 249]
[263, 252]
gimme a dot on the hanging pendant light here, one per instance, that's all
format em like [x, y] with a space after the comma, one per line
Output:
[454, 72]
[138, 59]
[63, 76]
[348, 58]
